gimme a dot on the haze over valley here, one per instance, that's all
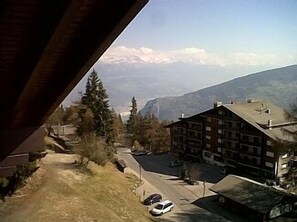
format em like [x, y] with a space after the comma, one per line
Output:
[177, 48]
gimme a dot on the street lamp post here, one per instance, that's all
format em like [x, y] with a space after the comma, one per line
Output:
[140, 172]
[203, 188]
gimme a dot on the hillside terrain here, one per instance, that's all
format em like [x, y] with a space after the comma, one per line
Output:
[278, 86]
[59, 192]
[122, 81]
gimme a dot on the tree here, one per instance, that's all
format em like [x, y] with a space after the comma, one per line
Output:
[118, 126]
[96, 99]
[132, 123]
[72, 114]
[57, 116]
[290, 146]
[91, 148]
[86, 121]
[155, 134]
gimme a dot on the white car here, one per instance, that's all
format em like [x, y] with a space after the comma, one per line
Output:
[162, 207]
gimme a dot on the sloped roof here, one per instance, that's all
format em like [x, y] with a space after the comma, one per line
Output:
[258, 113]
[250, 193]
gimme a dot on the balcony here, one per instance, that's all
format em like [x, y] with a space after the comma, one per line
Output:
[231, 138]
[195, 128]
[193, 142]
[194, 136]
[251, 132]
[252, 154]
[231, 128]
[251, 161]
[230, 147]
[251, 143]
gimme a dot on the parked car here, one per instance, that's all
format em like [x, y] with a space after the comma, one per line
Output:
[162, 208]
[153, 198]
[140, 153]
[176, 163]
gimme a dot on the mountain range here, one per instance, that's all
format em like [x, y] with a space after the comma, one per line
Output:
[146, 81]
[278, 86]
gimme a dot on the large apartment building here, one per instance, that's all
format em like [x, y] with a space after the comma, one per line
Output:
[238, 136]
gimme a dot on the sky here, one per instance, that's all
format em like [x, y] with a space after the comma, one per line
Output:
[215, 32]
[239, 36]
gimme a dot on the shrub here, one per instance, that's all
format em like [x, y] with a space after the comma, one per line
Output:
[11, 184]
[91, 148]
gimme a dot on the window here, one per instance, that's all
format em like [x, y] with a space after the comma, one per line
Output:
[219, 140]
[220, 122]
[250, 139]
[269, 164]
[256, 140]
[284, 165]
[270, 154]
[219, 149]
[207, 145]
[219, 131]
[245, 138]
[244, 148]
[208, 128]
[208, 119]
[220, 112]
[269, 143]
[208, 137]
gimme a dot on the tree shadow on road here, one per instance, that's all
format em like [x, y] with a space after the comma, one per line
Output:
[160, 164]
[157, 164]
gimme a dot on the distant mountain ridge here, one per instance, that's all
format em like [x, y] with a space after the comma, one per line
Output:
[278, 86]
[147, 81]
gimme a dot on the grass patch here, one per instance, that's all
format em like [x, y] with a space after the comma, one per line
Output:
[113, 189]
[67, 194]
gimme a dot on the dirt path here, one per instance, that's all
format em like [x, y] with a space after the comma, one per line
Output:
[59, 192]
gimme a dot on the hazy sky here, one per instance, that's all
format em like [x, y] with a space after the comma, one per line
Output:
[238, 36]
[220, 32]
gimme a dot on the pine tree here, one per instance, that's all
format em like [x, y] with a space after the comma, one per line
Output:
[96, 99]
[118, 126]
[132, 123]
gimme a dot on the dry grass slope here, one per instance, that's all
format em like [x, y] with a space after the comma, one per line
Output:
[59, 192]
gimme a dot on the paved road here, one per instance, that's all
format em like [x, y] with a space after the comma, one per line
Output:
[190, 205]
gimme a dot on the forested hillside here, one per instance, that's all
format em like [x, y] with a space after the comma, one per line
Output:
[278, 86]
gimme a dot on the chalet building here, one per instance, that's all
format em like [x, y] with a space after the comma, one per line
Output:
[237, 136]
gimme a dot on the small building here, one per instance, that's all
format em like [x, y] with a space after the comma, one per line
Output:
[253, 199]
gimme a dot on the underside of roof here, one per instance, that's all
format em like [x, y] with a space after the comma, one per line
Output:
[47, 46]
